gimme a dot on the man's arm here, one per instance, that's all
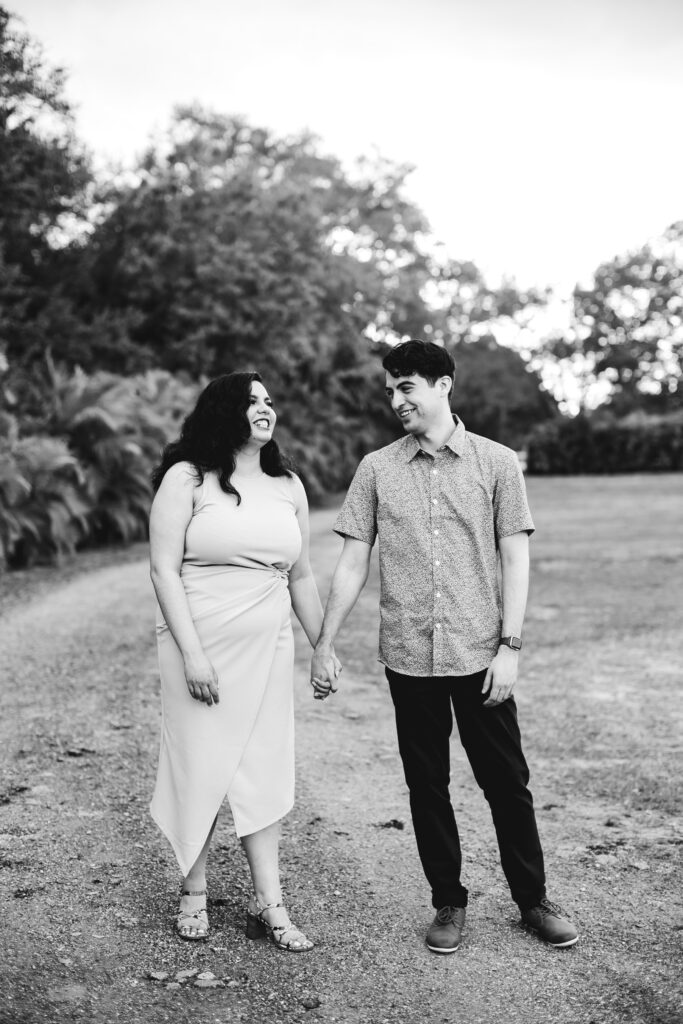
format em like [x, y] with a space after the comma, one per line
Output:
[514, 563]
[349, 579]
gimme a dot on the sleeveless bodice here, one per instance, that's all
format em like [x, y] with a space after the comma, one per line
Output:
[261, 532]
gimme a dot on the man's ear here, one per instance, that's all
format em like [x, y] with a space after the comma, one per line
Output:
[446, 385]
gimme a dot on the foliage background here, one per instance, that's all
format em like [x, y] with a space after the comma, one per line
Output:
[229, 247]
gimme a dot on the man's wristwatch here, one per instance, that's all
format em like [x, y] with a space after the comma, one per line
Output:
[513, 642]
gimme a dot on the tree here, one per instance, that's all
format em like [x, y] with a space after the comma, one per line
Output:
[496, 394]
[628, 328]
[235, 248]
[43, 181]
[233, 244]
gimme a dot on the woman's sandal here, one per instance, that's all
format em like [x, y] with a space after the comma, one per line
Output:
[259, 928]
[197, 920]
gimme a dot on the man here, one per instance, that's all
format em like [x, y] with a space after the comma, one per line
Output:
[448, 508]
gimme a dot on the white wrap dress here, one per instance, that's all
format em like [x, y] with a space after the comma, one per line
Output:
[235, 572]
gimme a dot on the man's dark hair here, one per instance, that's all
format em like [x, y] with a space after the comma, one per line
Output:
[216, 429]
[422, 357]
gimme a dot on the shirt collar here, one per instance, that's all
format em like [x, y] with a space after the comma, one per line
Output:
[456, 442]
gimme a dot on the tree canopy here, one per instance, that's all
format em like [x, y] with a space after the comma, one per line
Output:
[232, 244]
[628, 328]
[233, 247]
[496, 394]
[43, 187]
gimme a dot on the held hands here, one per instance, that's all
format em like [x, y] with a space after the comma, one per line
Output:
[500, 677]
[201, 678]
[325, 671]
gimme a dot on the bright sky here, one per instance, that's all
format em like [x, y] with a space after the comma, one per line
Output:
[546, 134]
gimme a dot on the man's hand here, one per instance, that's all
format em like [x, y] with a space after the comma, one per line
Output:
[325, 671]
[500, 677]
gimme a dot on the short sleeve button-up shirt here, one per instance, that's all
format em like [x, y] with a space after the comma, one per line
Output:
[438, 519]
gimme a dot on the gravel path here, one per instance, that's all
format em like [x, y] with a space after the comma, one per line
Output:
[90, 888]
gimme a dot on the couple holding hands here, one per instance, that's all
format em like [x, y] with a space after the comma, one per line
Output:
[229, 541]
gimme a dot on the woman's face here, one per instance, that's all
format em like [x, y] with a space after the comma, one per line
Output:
[260, 414]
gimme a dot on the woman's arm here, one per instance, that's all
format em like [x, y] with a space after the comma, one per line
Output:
[305, 598]
[170, 516]
[302, 587]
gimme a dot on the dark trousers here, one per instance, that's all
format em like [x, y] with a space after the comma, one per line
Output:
[492, 741]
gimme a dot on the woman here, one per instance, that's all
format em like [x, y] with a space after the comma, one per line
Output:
[229, 558]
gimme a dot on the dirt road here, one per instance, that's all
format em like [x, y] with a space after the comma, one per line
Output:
[90, 888]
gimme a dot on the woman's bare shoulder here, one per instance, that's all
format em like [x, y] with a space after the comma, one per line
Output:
[181, 475]
[298, 491]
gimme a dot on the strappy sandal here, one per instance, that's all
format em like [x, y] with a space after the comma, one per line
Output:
[196, 919]
[259, 928]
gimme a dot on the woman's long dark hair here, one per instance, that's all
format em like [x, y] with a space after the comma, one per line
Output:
[216, 429]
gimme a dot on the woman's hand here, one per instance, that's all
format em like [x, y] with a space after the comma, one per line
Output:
[201, 678]
[325, 671]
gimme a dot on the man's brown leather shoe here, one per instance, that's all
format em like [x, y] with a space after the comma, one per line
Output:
[550, 922]
[446, 929]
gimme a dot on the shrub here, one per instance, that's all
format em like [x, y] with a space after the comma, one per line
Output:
[43, 510]
[638, 444]
[116, 427]
[79, 473]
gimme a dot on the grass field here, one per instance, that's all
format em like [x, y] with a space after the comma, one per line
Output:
[604, 633]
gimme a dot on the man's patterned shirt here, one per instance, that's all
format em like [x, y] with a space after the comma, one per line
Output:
[438, 519]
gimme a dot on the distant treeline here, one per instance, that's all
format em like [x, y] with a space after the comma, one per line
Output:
[228, 247]
[634, 444]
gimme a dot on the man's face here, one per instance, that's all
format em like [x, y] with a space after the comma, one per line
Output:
[417, 403]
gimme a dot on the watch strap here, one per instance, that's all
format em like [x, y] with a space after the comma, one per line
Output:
[513, 642]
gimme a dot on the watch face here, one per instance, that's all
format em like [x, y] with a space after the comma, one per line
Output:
[513, 642]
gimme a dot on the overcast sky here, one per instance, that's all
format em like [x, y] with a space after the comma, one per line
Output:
[546, 134]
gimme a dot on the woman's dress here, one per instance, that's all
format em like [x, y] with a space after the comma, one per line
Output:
[235, 571]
